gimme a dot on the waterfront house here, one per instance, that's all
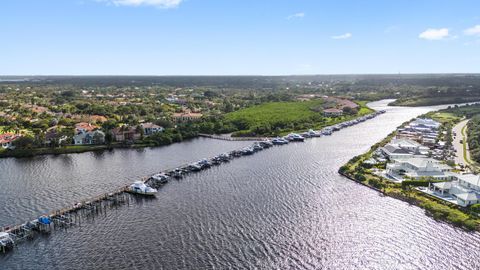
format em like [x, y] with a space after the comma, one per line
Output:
[186, 116]
[402, 148]
[89, 137]
[7, 139]
[53, 135]
[85, 127]
[126, 133]
[417, 168]
[464, 190]
[410, 145]
[151, 128]
[392, 152]
[425, 124]
[332, 112]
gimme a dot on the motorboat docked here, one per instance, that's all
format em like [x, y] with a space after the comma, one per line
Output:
[294, 137]
[314, 133]
[279, 141]
[327, 131]
[6, 242]
[247, 151]
[257, 147]
[141, 188]
[160, 178]
[176, 173]
[194, 167]
[224, 157]
[204, 163]
[266, 144]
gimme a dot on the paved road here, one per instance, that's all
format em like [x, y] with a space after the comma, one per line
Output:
[458, 146]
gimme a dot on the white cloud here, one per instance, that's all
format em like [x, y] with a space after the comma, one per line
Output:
[136, 3]
[296, 16]
[434, 34]
[344, 36]
[473, 31]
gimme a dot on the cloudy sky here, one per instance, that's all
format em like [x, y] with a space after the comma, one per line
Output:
[238, 37]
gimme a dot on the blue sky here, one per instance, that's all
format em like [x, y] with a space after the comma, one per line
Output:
[238, 37]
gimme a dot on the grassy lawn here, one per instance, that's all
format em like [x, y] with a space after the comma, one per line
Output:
[445, 117]
[283, 117]
[276, 112]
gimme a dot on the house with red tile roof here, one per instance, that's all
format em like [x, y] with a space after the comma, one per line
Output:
[7, 139]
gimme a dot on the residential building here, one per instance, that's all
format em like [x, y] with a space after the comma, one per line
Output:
[464, 191]
[126, 133]
[84, 126]
[332, 112]
[392, 152]
[7, 139]
[187, 116]
[417, 168]
[151, 128]
[88, 138]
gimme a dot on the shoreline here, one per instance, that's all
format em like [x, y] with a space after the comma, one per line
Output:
[433, 206]
[78, 149]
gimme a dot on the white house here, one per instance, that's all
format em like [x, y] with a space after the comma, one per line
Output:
[464, 191]
[418, 167]
[411, 146]
[395, 152]
[151, 128]
[86, 138]
[425, 123]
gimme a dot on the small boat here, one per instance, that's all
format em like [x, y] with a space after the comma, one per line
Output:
[236, 153]
[6, 242]
[257, 147]
[194, 167]
[305, 134]
[294, 137]
[279, 141]
[204, 164]
[247, 151]
[314, 133]
[266, 144]
[224, 157]
[160, 178]
[141, 188]
[216, 160]
[327, 131]
[177, 173]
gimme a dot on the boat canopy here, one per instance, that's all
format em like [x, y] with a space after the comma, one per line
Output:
[4, 236]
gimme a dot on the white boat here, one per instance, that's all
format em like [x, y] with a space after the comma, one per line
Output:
[295, 137]
[314, 133]
[141, 188]
[160, 178]
[6, 242]
[279, 141]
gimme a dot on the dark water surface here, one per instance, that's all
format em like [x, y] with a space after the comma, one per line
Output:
[283, 208]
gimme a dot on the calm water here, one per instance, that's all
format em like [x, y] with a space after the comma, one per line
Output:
[284, 208]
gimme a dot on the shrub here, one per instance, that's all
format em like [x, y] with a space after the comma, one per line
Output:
[376, 183]
[360, 177]
[475, 208]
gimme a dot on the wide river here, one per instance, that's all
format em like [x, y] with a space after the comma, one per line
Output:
[283, 208]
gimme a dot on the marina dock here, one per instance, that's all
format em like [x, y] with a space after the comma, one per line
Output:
[80, 212]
